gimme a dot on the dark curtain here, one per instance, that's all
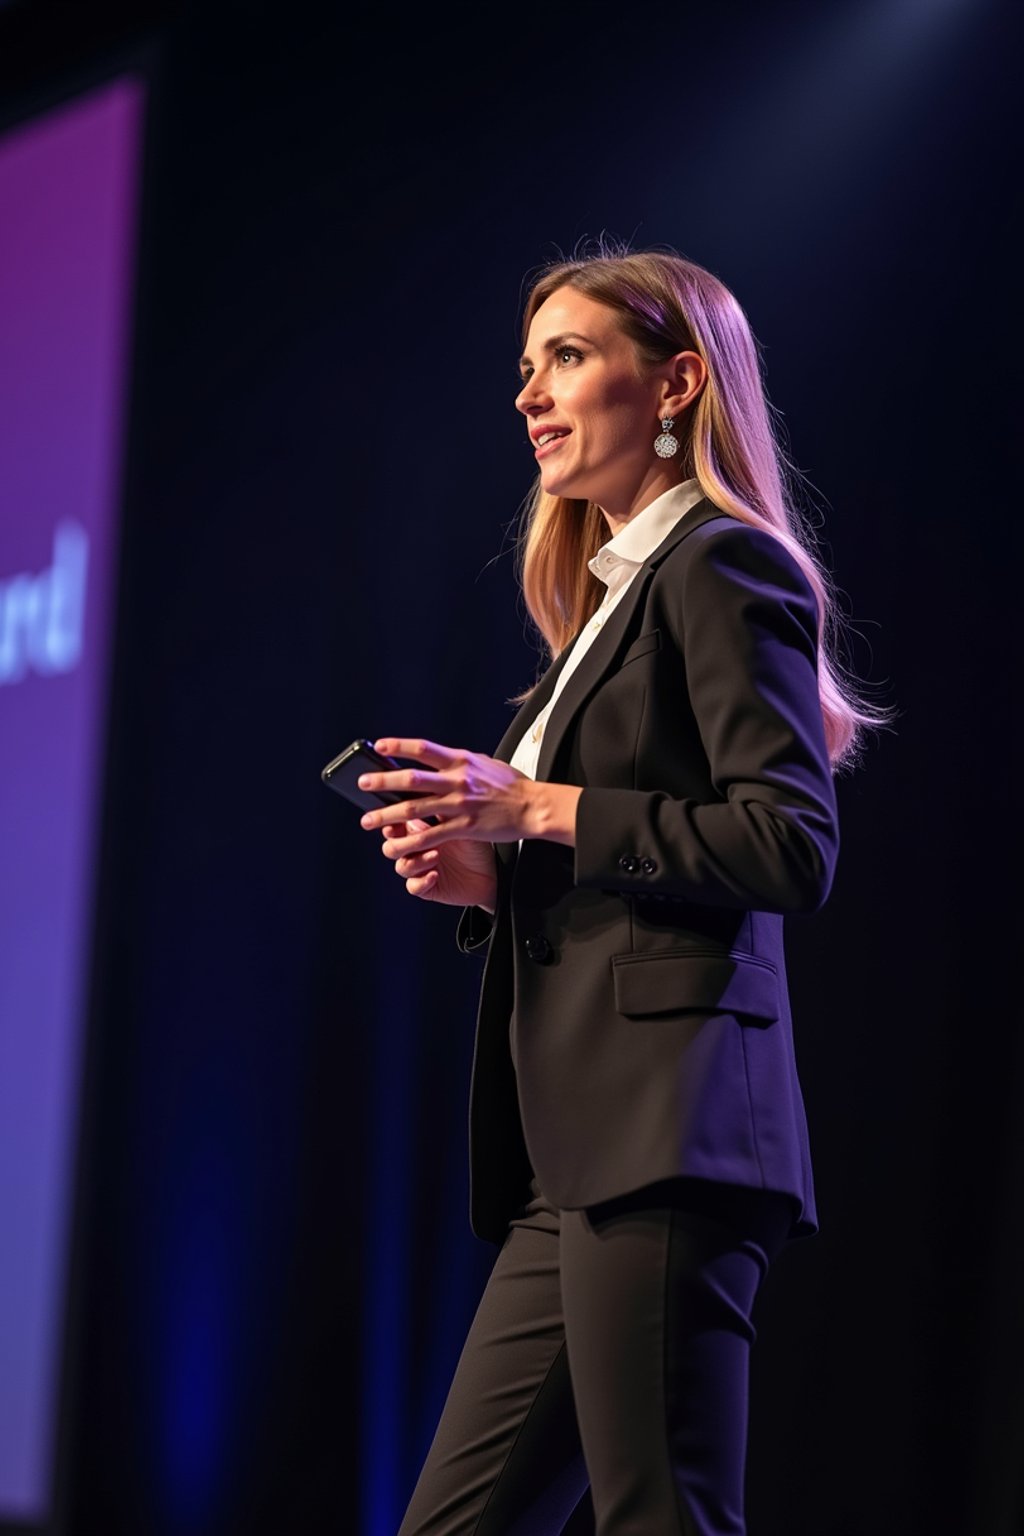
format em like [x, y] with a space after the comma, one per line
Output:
[274, 1269]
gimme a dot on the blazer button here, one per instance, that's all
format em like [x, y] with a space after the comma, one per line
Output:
[649, 866]
[630, 863]
[538, 948]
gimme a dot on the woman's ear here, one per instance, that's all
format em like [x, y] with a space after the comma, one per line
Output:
[687, 374]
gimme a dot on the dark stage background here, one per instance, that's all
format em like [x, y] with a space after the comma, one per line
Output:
[273, 1269]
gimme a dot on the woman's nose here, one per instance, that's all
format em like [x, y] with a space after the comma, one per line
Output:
[530, 398]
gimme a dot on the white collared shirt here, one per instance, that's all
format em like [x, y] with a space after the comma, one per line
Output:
[616, 563]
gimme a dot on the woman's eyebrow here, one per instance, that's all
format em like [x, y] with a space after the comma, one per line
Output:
[553, 344]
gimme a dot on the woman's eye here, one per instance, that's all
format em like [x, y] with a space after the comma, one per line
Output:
[564, 357]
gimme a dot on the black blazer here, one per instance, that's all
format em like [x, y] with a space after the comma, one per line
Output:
[634, 1019]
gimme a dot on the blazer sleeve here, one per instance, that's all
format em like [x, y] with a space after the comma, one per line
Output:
[748, 622]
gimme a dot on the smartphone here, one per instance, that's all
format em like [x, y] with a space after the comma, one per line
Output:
[342, 773]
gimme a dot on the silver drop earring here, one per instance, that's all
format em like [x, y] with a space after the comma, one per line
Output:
[666, 446]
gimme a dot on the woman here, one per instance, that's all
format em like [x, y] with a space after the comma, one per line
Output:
[664, 795]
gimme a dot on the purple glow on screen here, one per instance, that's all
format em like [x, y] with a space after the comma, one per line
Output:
[67, 220]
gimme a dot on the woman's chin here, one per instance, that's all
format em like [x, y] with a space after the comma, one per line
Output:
[566, 486]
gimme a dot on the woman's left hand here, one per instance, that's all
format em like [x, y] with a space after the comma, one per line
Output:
[475, 796]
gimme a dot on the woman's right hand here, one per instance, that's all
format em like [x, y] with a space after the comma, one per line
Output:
[460, 872]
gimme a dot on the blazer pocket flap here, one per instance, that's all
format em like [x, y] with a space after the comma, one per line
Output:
[671, 981]
[651, 641]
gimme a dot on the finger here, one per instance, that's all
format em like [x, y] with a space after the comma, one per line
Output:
[426, 779]
[402, 828]
[424, 886]
[406, 810]
[429, 752]
[417, 863]
[405, 847]
[419, 842]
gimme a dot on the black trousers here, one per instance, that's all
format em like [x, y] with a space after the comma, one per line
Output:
[610, 1350]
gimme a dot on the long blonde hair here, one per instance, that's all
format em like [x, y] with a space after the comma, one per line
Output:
[666, 305]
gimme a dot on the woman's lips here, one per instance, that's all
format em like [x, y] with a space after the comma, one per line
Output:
[542, 451]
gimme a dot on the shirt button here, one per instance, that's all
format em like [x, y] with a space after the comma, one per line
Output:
[538, 948]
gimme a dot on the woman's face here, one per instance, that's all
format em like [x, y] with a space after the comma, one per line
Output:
[584, 384]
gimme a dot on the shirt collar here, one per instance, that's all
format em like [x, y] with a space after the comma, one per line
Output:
[627, 550]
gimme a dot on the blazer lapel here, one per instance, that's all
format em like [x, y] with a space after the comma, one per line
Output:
[603, 651]
[594, 665]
